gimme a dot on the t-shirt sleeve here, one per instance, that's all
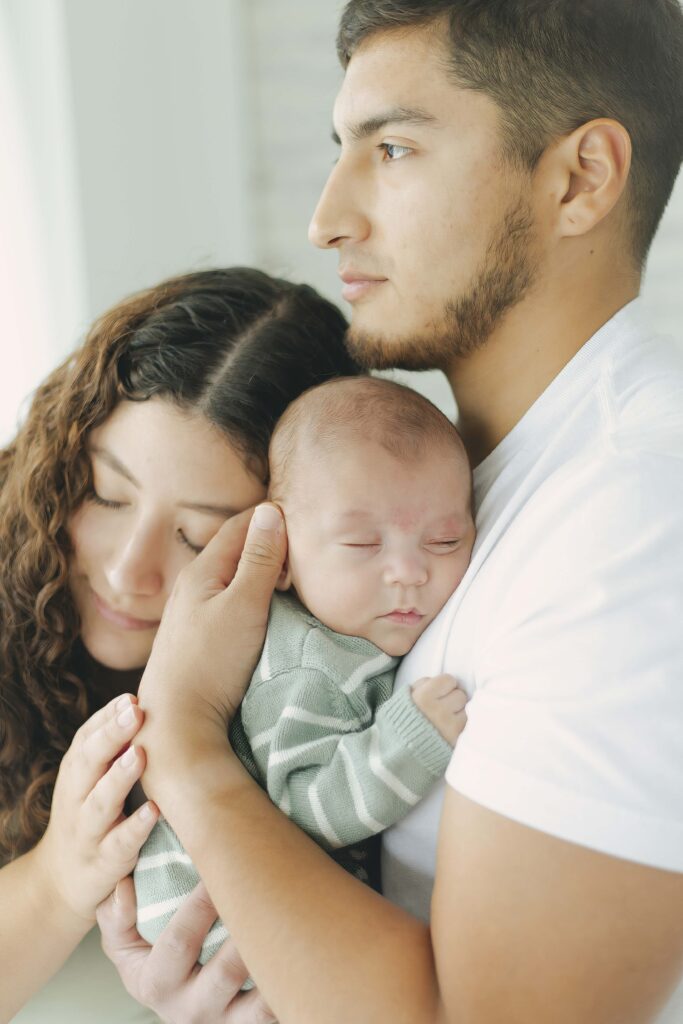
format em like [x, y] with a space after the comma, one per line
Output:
[575, 727]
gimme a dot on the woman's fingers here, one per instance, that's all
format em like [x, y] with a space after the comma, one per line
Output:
[100, 740]
[121, 846]
[121, 941]
[104, 803]
[249, 1008]
[174, 954]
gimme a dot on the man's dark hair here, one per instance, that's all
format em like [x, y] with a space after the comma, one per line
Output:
[553, 65]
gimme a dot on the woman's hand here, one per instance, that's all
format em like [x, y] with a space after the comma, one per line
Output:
[166, 976]
[89, 843]
[207, 646]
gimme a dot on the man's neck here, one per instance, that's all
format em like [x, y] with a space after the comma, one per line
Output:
[498, 384]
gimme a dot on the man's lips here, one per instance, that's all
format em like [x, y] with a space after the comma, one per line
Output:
[411, 617]
[120, 619]
[357, 284]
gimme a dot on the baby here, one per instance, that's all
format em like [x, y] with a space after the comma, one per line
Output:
[376, 491]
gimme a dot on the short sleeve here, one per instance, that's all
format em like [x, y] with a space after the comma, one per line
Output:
[575, 727]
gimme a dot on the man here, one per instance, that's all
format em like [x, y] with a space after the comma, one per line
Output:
[503, 168]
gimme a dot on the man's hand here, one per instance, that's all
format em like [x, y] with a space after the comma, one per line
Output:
[208, 643]
[441, 700]
[166, 977]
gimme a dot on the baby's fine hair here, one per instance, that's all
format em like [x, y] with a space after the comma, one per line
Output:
[358, 410]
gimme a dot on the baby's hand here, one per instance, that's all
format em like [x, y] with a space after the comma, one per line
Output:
[441, 700]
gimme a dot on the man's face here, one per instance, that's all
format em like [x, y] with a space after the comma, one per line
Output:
[433, 227]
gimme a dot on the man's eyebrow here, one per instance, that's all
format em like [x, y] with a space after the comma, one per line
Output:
[397, 115]
[113, 463]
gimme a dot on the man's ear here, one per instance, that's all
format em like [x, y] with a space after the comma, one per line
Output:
[595, 161]
[284, 580]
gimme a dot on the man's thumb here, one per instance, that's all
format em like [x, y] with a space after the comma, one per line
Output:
[264, 553]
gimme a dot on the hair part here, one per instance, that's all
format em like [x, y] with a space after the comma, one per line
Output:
[234, 345]
[358, 410]
[554, 65]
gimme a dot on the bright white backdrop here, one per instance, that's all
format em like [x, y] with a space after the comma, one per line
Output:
[146, 137]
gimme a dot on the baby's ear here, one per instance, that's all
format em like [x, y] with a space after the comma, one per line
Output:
[284, 580]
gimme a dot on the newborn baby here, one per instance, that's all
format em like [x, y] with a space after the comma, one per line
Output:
[376, 491]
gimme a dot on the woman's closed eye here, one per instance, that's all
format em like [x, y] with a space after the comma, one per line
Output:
[184, 540]
[97, 499]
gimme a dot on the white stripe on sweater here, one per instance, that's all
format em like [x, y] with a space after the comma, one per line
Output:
[362, 813]
[321, 820]
[298, 714]
[277, 757]
[365, 671]
[160, 860]
[161, 908]
[219, 933]
[262, 738]
[378, 768]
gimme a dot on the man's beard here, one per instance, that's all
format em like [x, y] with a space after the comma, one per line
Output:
[507, 273]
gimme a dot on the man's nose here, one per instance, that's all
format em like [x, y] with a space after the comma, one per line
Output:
[136, 567]
[338, 217]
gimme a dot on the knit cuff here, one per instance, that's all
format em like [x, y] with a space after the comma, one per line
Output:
[417, 732]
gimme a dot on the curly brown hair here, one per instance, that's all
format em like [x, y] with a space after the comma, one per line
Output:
[236, 345]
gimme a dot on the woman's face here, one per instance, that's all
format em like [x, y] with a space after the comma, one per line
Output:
[164, 481]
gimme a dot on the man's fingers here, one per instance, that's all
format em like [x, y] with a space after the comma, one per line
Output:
[263, 556]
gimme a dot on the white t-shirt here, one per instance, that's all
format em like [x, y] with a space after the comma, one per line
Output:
[567, 631]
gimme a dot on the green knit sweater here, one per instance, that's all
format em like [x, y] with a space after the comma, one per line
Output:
[322, 731]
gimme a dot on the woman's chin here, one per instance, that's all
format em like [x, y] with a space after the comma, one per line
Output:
[117, 654]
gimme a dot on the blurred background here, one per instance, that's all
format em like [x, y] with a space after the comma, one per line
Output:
[143, 138]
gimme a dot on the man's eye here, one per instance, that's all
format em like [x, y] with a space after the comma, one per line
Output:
[195, 548]
[393, 152]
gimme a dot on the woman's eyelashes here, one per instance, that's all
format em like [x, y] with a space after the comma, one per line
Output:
[181, 536]
[195, 548]
[97, 499]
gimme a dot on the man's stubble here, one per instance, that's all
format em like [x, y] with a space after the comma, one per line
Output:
[467, 321]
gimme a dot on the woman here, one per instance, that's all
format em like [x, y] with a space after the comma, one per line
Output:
[133, 453]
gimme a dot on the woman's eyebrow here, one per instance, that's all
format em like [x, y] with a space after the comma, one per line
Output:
[215, 510]
[113, 463]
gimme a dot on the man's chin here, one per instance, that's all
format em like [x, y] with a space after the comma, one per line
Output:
[374, 350]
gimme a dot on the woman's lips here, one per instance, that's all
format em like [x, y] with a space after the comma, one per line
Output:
[120, 619]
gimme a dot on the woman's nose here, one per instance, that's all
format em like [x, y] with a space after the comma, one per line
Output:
[338, 217]
[136, 567]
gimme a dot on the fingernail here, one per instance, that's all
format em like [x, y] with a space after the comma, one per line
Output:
[267, 517]
[145, 812]
[126, 760]
[123, 702]
[126, 717]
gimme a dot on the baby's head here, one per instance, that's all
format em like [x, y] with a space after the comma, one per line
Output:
[376, 490]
